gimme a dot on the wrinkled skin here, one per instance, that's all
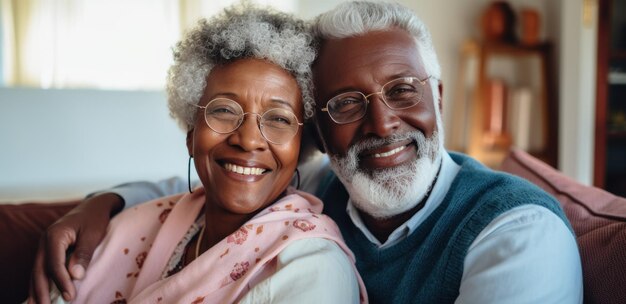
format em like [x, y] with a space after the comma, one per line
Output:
[83, 228]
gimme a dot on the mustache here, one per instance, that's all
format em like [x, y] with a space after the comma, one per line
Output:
[359, 147]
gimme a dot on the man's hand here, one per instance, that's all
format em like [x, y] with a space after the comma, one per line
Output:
[81, 230]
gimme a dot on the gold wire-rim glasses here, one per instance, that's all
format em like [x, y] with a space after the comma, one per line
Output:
[363, 110]
[273, 132]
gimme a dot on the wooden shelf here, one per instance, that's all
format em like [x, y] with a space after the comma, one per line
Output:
[507, 49]
[610, 83]
[478, 143]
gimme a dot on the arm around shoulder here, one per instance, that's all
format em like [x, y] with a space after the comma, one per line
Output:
[134, 193]
[83, 228]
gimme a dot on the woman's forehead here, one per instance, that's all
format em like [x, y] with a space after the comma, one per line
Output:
[254, 81]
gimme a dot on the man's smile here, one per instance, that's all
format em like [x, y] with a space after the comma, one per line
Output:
[388, 156]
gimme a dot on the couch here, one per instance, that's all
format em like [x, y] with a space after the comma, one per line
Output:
[599, 222]
[598, 219]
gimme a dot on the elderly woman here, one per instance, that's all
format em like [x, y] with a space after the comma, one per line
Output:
[240, 86]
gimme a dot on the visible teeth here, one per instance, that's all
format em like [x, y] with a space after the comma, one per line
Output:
[243, 170]
[392, 152]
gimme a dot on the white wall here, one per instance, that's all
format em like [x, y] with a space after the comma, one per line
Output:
[67, 143]
[577, 91]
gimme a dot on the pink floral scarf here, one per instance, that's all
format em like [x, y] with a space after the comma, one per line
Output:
[127, 266]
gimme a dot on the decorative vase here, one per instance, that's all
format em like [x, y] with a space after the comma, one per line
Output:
[531, 25]
[498, 22]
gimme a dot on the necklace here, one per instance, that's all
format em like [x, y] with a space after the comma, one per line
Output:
[199, 242]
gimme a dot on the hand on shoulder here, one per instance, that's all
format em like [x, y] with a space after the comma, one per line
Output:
[80, 231]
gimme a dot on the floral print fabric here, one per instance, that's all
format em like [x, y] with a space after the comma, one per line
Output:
[127, 266]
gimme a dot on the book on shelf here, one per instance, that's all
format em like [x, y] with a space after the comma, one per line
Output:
[617, 77]
[520, 112]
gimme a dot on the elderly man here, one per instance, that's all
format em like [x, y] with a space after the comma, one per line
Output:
[425, 225]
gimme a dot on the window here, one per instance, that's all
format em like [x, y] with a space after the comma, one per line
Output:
[112, 44]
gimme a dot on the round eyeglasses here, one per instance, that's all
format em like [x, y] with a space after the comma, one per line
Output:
[277, 125]
[398, 94]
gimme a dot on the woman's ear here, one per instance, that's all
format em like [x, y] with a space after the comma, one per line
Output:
[190, 142]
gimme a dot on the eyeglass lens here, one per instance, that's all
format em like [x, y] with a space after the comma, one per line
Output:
[277, 125]
[397, 94]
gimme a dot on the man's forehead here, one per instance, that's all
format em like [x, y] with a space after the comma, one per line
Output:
[377, 55]
[392, 37]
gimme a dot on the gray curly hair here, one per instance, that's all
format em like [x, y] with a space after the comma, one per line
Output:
[241, 31]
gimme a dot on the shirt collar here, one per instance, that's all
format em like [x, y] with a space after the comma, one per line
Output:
[448, 172]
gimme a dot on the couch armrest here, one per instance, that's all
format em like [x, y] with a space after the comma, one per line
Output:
[599, 221]
[20, 229]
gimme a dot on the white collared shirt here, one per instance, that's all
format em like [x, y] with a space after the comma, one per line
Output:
[525, 255]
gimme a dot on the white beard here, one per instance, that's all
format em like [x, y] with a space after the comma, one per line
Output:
[391, 191]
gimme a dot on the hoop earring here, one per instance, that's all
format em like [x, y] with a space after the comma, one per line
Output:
[189, 174]
[298, 176]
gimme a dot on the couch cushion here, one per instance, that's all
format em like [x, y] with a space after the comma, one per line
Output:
[20, 229]
[599, 221]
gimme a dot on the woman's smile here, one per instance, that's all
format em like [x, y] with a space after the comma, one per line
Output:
[244, 170]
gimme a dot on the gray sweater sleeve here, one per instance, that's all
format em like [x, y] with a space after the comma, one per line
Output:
[134, 193]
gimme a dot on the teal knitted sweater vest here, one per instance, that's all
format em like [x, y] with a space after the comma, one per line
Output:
[427, 266]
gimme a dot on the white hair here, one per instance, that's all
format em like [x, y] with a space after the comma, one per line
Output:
[356, 18]
[239, 32]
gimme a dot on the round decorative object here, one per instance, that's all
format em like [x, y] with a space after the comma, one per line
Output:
[498, 22]
[531, 26]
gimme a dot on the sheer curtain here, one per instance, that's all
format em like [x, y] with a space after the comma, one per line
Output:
[192, 10]
[112, 44]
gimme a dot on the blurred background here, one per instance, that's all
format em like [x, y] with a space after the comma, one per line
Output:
[82, 105]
